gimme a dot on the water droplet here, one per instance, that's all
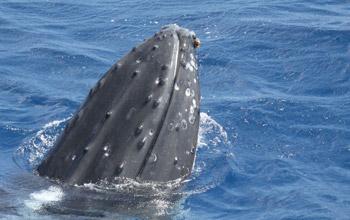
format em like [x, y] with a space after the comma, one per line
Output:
[188, 92]
[106, 148]
[176, 87]
[138, 130]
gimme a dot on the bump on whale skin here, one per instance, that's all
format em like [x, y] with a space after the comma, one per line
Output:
[140, 121]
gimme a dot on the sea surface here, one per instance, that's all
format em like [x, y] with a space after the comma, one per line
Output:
[275, 112]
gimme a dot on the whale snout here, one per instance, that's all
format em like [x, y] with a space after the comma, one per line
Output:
[141, 119]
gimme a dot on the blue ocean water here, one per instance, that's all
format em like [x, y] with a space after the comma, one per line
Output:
[275, 121]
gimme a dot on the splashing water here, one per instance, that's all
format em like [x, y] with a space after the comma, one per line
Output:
[211, 133]
[33, 150]
[44, 197]
[156, 198]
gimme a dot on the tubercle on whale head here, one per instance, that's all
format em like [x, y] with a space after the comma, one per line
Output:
[145, 109]
[196, 42]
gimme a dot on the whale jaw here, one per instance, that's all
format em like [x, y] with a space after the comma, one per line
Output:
[141, 119]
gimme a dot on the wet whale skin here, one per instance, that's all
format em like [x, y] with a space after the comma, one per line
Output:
[140, 121]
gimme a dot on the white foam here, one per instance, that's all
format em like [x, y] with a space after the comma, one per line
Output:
[44, 197]
[209, 125]
[189, 67]
[182, 30]
[35, 148]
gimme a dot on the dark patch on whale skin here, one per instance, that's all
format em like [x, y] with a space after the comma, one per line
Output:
[140, 121]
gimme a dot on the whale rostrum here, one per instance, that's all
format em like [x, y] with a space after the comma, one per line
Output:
[141, 119]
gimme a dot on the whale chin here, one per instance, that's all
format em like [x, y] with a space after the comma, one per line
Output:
[139, 121]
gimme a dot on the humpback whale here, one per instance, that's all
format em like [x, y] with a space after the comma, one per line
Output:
[139, 121]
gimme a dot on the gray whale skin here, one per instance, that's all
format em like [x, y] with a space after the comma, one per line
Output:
[140, 121]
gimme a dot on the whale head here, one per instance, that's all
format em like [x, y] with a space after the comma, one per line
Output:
[139, 121]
